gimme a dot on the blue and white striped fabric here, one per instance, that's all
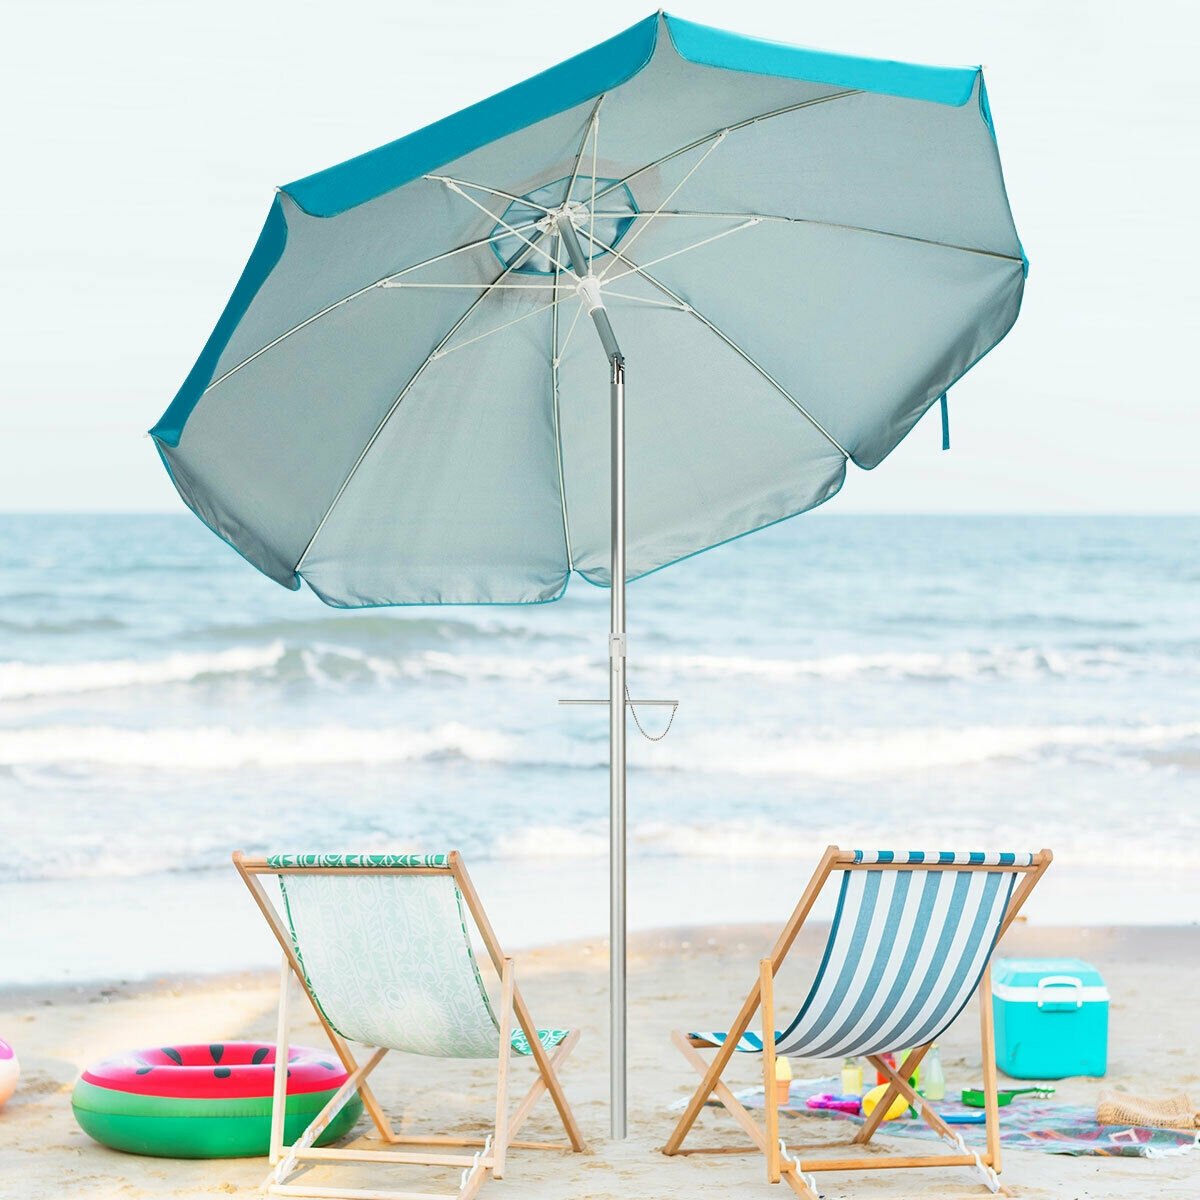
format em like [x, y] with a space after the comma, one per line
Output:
[1003, 858]
[905, 953]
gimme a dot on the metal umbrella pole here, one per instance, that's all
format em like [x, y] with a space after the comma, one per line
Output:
[589, 289]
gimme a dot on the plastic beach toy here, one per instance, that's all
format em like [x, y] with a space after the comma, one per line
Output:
[148, 1101]
[898, 1107]
[846, 1104]
[10, 1072]
[974, 1098]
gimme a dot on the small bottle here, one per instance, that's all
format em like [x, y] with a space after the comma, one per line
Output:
[852, 1079]
[914, 1080]
[783, 1080]
[935, 1077]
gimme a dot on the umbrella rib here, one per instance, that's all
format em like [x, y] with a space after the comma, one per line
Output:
[441, 353]
[589, 132]
[385, 281]
[637, 233]
[449, 180]
[592, 201]
[453, 185]
[867, 229]
[646, 300]
[473, 287]
[690, 308]
[708, 137]
[567, 340]
[716, 237]
[416, 375]
[558, 451]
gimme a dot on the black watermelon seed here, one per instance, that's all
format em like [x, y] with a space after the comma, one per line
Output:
[222, 1072]
[216, 1051]
[329, 1066]
[143, 1070]
[259, 1055]
[173, 1055]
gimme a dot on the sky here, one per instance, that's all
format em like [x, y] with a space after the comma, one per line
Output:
[142, 143]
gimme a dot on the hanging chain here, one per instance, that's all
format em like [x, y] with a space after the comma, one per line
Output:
[649, 736]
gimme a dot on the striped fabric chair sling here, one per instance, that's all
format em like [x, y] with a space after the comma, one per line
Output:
[381, 946]
[909, 945]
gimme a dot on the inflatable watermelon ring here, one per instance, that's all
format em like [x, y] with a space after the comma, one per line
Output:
[150, 1101]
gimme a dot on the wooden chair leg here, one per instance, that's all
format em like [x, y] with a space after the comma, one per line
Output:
[500, 1144]
[872, 1123]
[766, 984]
[291, 1158]
[279, 1093]
[712, 1073]
[520, 1009]
[901, 1087]
[987, 1043]
[742, 1021]
[733, 1106]
[556, 1059]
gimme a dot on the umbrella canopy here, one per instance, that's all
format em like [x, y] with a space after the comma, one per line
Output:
[799, 251]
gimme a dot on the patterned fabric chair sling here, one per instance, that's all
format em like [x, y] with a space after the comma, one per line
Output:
[909, 945]
[382, 948]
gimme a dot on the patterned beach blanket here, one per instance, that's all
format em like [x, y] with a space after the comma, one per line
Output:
[1028, 1123]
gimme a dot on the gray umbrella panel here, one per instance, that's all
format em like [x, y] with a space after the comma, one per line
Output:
[411, 409]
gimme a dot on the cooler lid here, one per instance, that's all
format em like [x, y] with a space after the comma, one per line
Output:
[1047, 980]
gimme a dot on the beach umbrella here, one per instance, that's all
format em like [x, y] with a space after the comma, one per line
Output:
[791, 255]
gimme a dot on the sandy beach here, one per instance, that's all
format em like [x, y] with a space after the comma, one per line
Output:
[681, 977]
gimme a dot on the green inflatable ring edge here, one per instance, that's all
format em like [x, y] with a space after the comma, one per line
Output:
[218, 1133]
[93, 1098]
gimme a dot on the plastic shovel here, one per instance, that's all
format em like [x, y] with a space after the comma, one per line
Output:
[974, 1098]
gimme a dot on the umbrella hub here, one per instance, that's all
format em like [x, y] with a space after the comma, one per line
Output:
[607, 215]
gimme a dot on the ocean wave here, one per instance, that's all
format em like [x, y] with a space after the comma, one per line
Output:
[882, 753]
[331, 663]
[1008, 662]
[1003, 663]
[218, 748]
[755, 838]
[41, 627]
[758, 838]
[829, 755]
[23, 681]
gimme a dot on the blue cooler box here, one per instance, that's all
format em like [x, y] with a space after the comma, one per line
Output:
[1051, 1018]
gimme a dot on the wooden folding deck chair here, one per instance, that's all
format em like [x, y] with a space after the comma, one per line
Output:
[381, 946]
[909, 945]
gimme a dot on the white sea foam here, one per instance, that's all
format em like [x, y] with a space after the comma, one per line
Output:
[20, 680]
[1013, 663]
[757, 838]
[868, 754]
[1003, 662]
[863, 754]
[216, 748]
[328, 664]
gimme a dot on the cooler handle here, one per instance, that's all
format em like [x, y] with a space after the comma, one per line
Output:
[1059, 981]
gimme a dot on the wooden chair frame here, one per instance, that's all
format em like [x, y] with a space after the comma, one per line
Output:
[490, 1152]
[793, 1169]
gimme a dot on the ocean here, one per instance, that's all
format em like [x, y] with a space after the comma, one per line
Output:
[937, 682]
